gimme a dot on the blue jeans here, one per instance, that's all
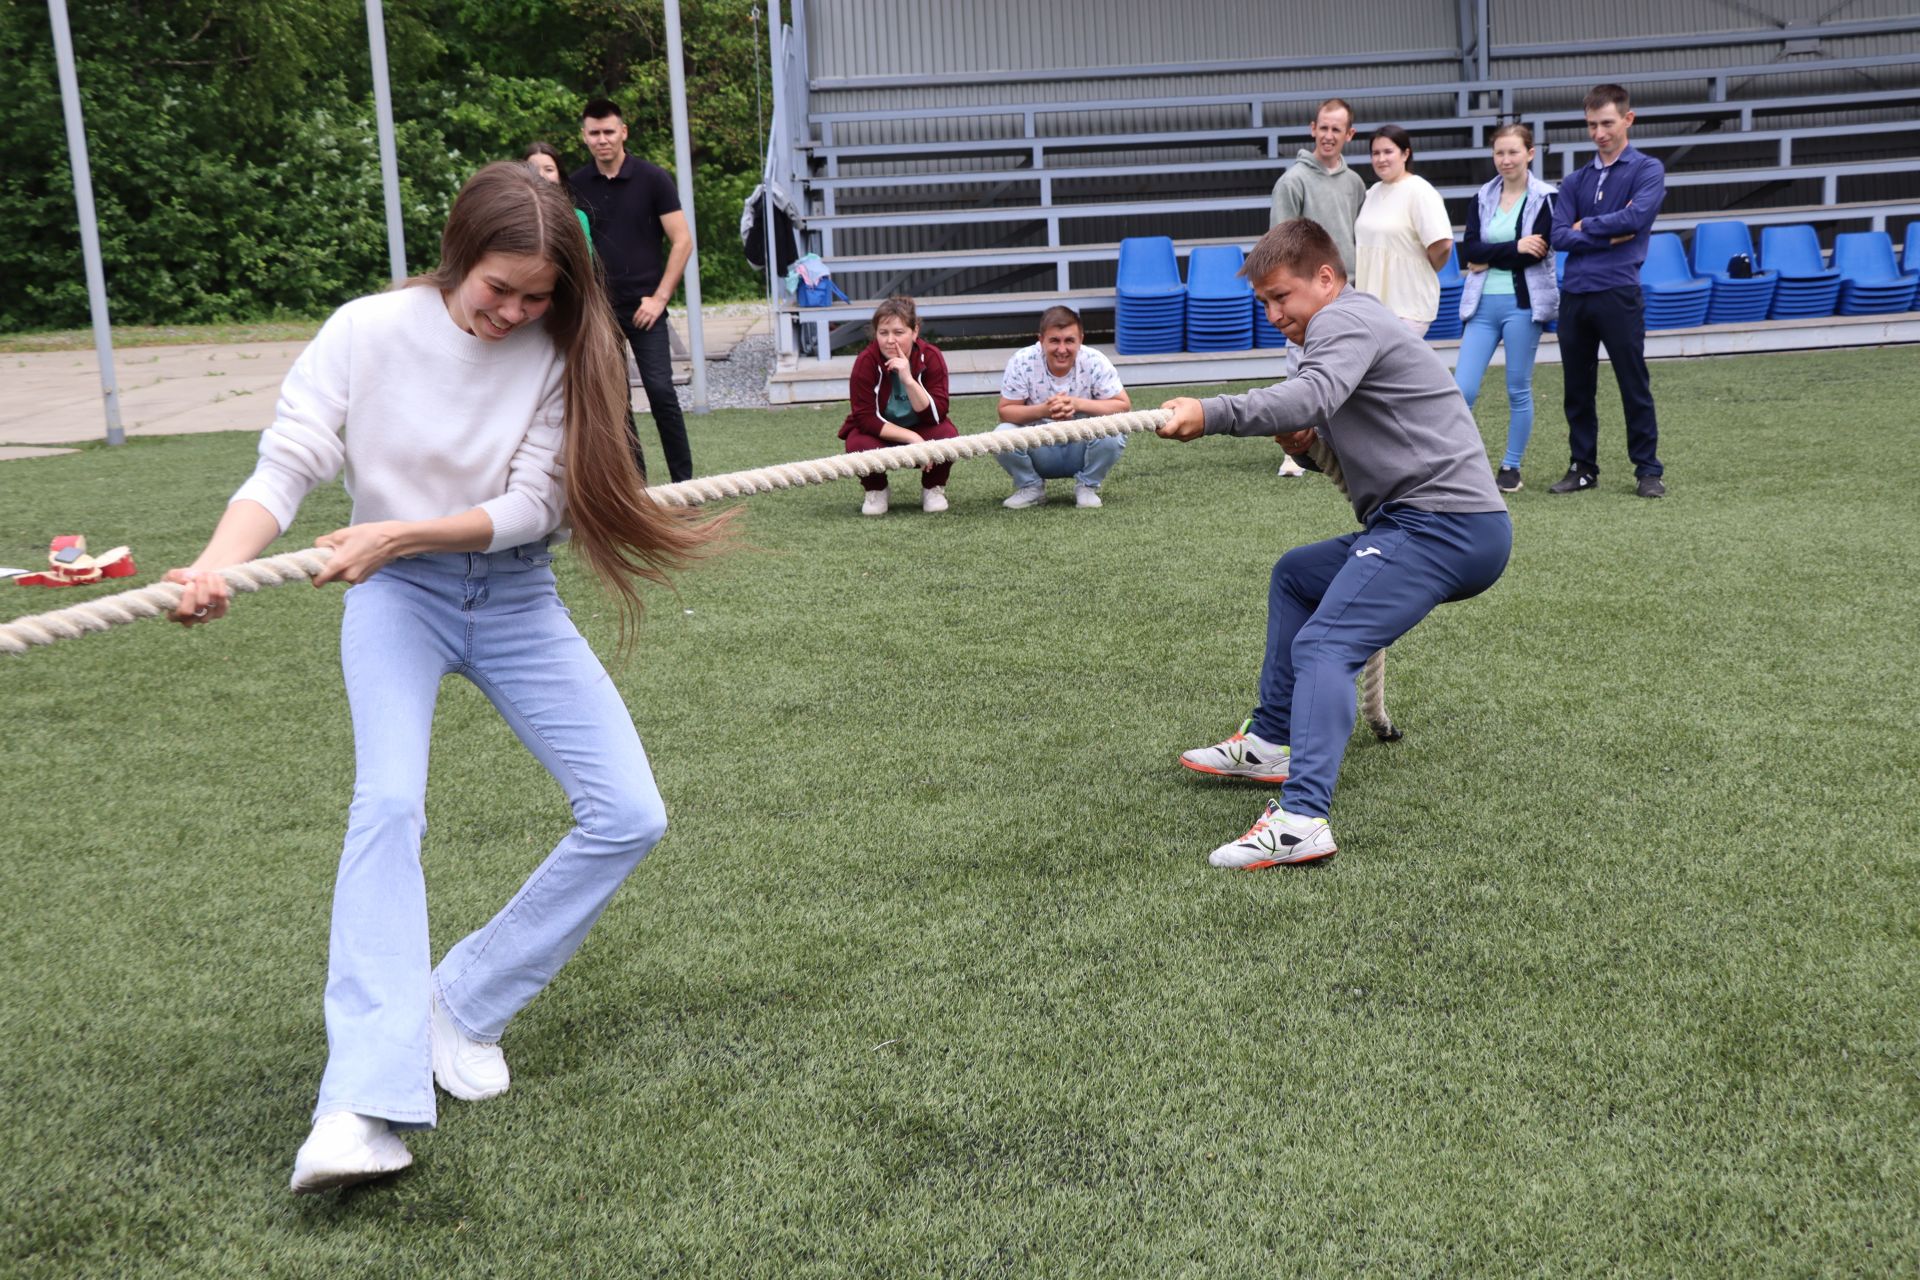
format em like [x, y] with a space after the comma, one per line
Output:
[1087, 462]
[1332, 603]
[496, 620]
[1499, 316]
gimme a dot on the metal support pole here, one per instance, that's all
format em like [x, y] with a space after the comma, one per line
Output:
[1486, 36]
[89, 229]
[683, 174]
[389, 161]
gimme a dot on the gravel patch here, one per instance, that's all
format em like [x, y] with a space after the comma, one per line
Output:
[740, 381]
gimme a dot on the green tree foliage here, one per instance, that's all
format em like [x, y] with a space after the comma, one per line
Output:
[234, 154]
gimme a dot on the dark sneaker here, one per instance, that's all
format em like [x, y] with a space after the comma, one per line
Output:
[1508, 481]
[1650, 487]
[1574, 481]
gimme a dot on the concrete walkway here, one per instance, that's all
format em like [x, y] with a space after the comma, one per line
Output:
[53, 398]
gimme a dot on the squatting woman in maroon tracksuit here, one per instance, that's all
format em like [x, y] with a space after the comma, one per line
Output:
[899, 396]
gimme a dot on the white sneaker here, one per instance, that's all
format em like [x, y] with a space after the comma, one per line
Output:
[875, 503]
[934, 500]
[1245, 755]
[1085, 496]
[1278, 839]
[1290, 468]
[345, 1148]
[471, 1070]
[1031, 496]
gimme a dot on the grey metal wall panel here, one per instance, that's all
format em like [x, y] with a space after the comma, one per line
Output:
[1532, 22]
[935, 37]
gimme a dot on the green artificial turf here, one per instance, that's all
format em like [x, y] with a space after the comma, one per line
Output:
[1615, 974]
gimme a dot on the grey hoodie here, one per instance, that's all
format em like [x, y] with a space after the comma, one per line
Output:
[1383, 402]
[1331, 199]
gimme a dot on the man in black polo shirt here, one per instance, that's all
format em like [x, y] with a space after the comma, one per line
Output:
[630, 205]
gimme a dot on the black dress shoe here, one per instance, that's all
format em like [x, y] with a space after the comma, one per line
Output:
[1574, 481]
[1650, 487]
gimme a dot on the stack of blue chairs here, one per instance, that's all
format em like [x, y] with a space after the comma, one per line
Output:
[1910, 251]
[1808, 287]
[1150, 310]
[1733, 300]
[1447, 322]
[1219, 301]
[1870, 284]
[1676, 298]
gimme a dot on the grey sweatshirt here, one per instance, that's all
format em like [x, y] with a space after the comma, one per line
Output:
[1383, 402]
[1331, 199]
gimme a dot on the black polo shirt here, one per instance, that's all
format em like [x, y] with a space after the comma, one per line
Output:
[624, 214]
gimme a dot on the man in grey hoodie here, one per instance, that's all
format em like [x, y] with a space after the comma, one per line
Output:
[1320, 186]
[1434, 529]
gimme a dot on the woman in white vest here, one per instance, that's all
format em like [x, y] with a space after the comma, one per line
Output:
[1510, 292]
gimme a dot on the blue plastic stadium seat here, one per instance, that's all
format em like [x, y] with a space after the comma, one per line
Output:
[1808, 288]
[1219, 306]
[1446, 321]
[1910, 250]
[1150, 309]
[1734, 300]
[1676, 298]
[1870, 283]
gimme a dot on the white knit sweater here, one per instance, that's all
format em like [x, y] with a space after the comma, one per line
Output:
[426, 419]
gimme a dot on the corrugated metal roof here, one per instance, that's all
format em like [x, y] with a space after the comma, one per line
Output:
[1530, 23]
[935, 37]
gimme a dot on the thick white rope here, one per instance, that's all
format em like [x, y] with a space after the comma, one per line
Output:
[152, 601]
[160, 598]
[900, 457]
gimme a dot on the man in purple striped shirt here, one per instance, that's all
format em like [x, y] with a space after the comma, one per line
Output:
[1604, 220]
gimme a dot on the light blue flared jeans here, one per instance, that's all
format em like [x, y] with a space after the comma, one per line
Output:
[495, 619]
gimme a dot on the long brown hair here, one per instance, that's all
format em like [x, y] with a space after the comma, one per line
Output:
[617, 527]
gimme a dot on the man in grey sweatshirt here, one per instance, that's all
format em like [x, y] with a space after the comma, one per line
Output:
[1320, 186]
[1434, 528]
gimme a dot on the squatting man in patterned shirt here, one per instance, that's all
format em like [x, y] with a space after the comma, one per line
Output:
[1058, 379]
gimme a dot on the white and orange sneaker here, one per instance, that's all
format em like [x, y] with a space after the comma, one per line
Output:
[1278, 839]
[1245, 755]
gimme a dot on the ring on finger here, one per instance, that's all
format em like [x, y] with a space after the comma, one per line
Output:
[201, 612]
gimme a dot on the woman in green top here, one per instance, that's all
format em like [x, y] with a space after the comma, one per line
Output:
[545, 161]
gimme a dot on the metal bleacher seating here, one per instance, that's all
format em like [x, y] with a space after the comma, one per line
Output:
[1028, 216]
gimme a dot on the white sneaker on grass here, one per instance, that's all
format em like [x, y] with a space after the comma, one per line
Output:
[1086, 496]
[1245, 755]
[1277, 839]
[345, 1148]
[934, 500]
[875, 503]
[1031, 496]
[471, 1070]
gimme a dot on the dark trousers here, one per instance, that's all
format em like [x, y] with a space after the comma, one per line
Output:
[1331, 604]
[653, 352]
[1616, 318]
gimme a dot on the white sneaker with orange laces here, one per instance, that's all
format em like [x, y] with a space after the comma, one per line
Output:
[1277, 839]
[1245, 755]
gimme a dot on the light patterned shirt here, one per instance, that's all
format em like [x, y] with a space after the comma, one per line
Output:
[1028, 381]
